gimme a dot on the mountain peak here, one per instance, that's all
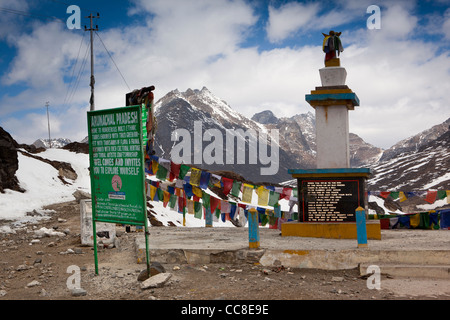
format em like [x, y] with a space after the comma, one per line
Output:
[265, 117]
[55, 143]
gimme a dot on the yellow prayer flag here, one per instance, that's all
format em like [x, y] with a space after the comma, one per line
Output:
[154, 166]
[152, 192]
[263, 196]
[448, 195]
[402, 196]
[197, 191]
[414, 220]
[195, 176]
[247, 193]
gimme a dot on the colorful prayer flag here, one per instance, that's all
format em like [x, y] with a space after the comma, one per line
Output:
[263, 196]
[274, 197]
[206, 199]
[431, 196]
[204, 179]
[166, 198]
[195, 176]
[183, 170]
[161, 174]
[227, 185]
[214, 202]
[247, 193]
[236, 188]
[190, 206]
[197, 210]
[402, 196]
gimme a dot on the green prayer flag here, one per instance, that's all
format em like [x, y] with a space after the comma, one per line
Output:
[394, 194]
[161, 174]
[205, 199]
[198, 210]
[264, 218]
[160, 194]
[424, 220]
[236, 188]
[183, 170]
[441, 194]
[274, 197]
[217, 213]
[172, 201]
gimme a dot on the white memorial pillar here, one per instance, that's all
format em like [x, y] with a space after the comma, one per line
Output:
[331, 102]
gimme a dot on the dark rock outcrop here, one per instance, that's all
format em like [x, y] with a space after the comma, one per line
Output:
[9, 163]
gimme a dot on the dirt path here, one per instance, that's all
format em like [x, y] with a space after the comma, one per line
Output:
[34, 268]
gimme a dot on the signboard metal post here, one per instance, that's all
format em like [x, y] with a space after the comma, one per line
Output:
[117, 169]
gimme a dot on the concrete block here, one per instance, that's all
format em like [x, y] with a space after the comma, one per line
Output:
[106, 230]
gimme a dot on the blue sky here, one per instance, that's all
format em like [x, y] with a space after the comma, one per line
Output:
[256, 55]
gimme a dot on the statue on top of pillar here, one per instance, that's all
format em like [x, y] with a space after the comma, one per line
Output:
[331, 45]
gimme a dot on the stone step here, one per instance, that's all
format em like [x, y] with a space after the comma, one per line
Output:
[409, 270]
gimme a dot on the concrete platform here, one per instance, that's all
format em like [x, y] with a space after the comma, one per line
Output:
[230, 245]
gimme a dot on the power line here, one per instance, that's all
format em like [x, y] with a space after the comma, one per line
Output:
[113, 60]
[80, 72]
[28, 14]
[69, 4]
[73, 70]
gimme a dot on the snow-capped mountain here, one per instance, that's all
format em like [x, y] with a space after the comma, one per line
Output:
[416, 142]
[420, 163]
[208, 122]
[296, 135]
[53, 143]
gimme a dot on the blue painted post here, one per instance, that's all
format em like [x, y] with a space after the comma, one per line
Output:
[361, 232]
[253, 229]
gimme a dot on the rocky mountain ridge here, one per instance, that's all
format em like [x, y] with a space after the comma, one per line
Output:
[53, 143]
[296, 136]
[399, 166]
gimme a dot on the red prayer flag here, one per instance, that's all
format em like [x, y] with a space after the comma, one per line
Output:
[175, 169]
[431, 196]
[213, 202]
[227, 185]
[286, 193]
[385, 194]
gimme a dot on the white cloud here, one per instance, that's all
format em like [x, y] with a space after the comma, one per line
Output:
[402, 81]
[397, 21]
[446, 24]
[43, 56]
[10, 21]
[287, 19]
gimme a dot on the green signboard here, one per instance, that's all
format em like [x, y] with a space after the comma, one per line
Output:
[117, 165]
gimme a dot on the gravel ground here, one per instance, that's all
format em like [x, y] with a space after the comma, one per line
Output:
[41, 268]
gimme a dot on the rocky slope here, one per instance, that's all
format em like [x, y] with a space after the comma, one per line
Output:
[426, 167]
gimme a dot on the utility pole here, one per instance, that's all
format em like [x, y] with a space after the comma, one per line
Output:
[92, 82]
[48, 121]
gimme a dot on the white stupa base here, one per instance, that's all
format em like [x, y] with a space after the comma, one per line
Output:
[333, 76]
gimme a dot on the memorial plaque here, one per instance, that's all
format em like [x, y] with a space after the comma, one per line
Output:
[330, 199]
